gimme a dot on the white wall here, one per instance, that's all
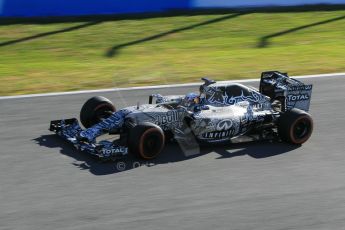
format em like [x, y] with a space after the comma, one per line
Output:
[238, 3]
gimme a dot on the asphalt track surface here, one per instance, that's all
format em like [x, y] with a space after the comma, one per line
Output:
[46, 184]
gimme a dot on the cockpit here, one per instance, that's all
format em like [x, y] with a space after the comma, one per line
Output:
[225, 94]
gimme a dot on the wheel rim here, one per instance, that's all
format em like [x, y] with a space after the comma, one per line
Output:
[301, 129]
[151, 144]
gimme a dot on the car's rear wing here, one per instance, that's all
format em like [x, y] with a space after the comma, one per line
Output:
[291, 92]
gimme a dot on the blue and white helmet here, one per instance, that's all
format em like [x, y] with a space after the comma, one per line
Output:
[191, 99]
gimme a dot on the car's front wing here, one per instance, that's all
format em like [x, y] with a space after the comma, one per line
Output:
[69, 129]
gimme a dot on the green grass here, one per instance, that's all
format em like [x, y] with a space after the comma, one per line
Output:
[228, 48]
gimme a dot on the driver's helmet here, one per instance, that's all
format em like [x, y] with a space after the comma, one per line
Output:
[191, 99]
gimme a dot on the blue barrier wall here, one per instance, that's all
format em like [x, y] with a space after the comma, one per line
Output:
[29, 8]
[241, 3]
[19, 8]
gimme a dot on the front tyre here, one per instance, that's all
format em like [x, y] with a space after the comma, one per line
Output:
[146, 140]
[295, 126]
[95, 110]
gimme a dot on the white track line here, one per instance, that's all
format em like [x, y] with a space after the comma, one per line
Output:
[152, 87]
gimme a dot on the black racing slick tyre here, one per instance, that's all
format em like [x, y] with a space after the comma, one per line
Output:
[295, 126]
[95, 109]
[146, 140]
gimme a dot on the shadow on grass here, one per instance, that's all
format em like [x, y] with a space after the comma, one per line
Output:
[112, 51]
[229, 13]
[171, 154]
[41, 35]
[265, 41]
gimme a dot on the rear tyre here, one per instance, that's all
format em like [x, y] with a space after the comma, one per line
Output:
[95, 110]
[295, 126]
[146, 140]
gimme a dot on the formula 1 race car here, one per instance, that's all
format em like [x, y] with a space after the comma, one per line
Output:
[218, 113]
